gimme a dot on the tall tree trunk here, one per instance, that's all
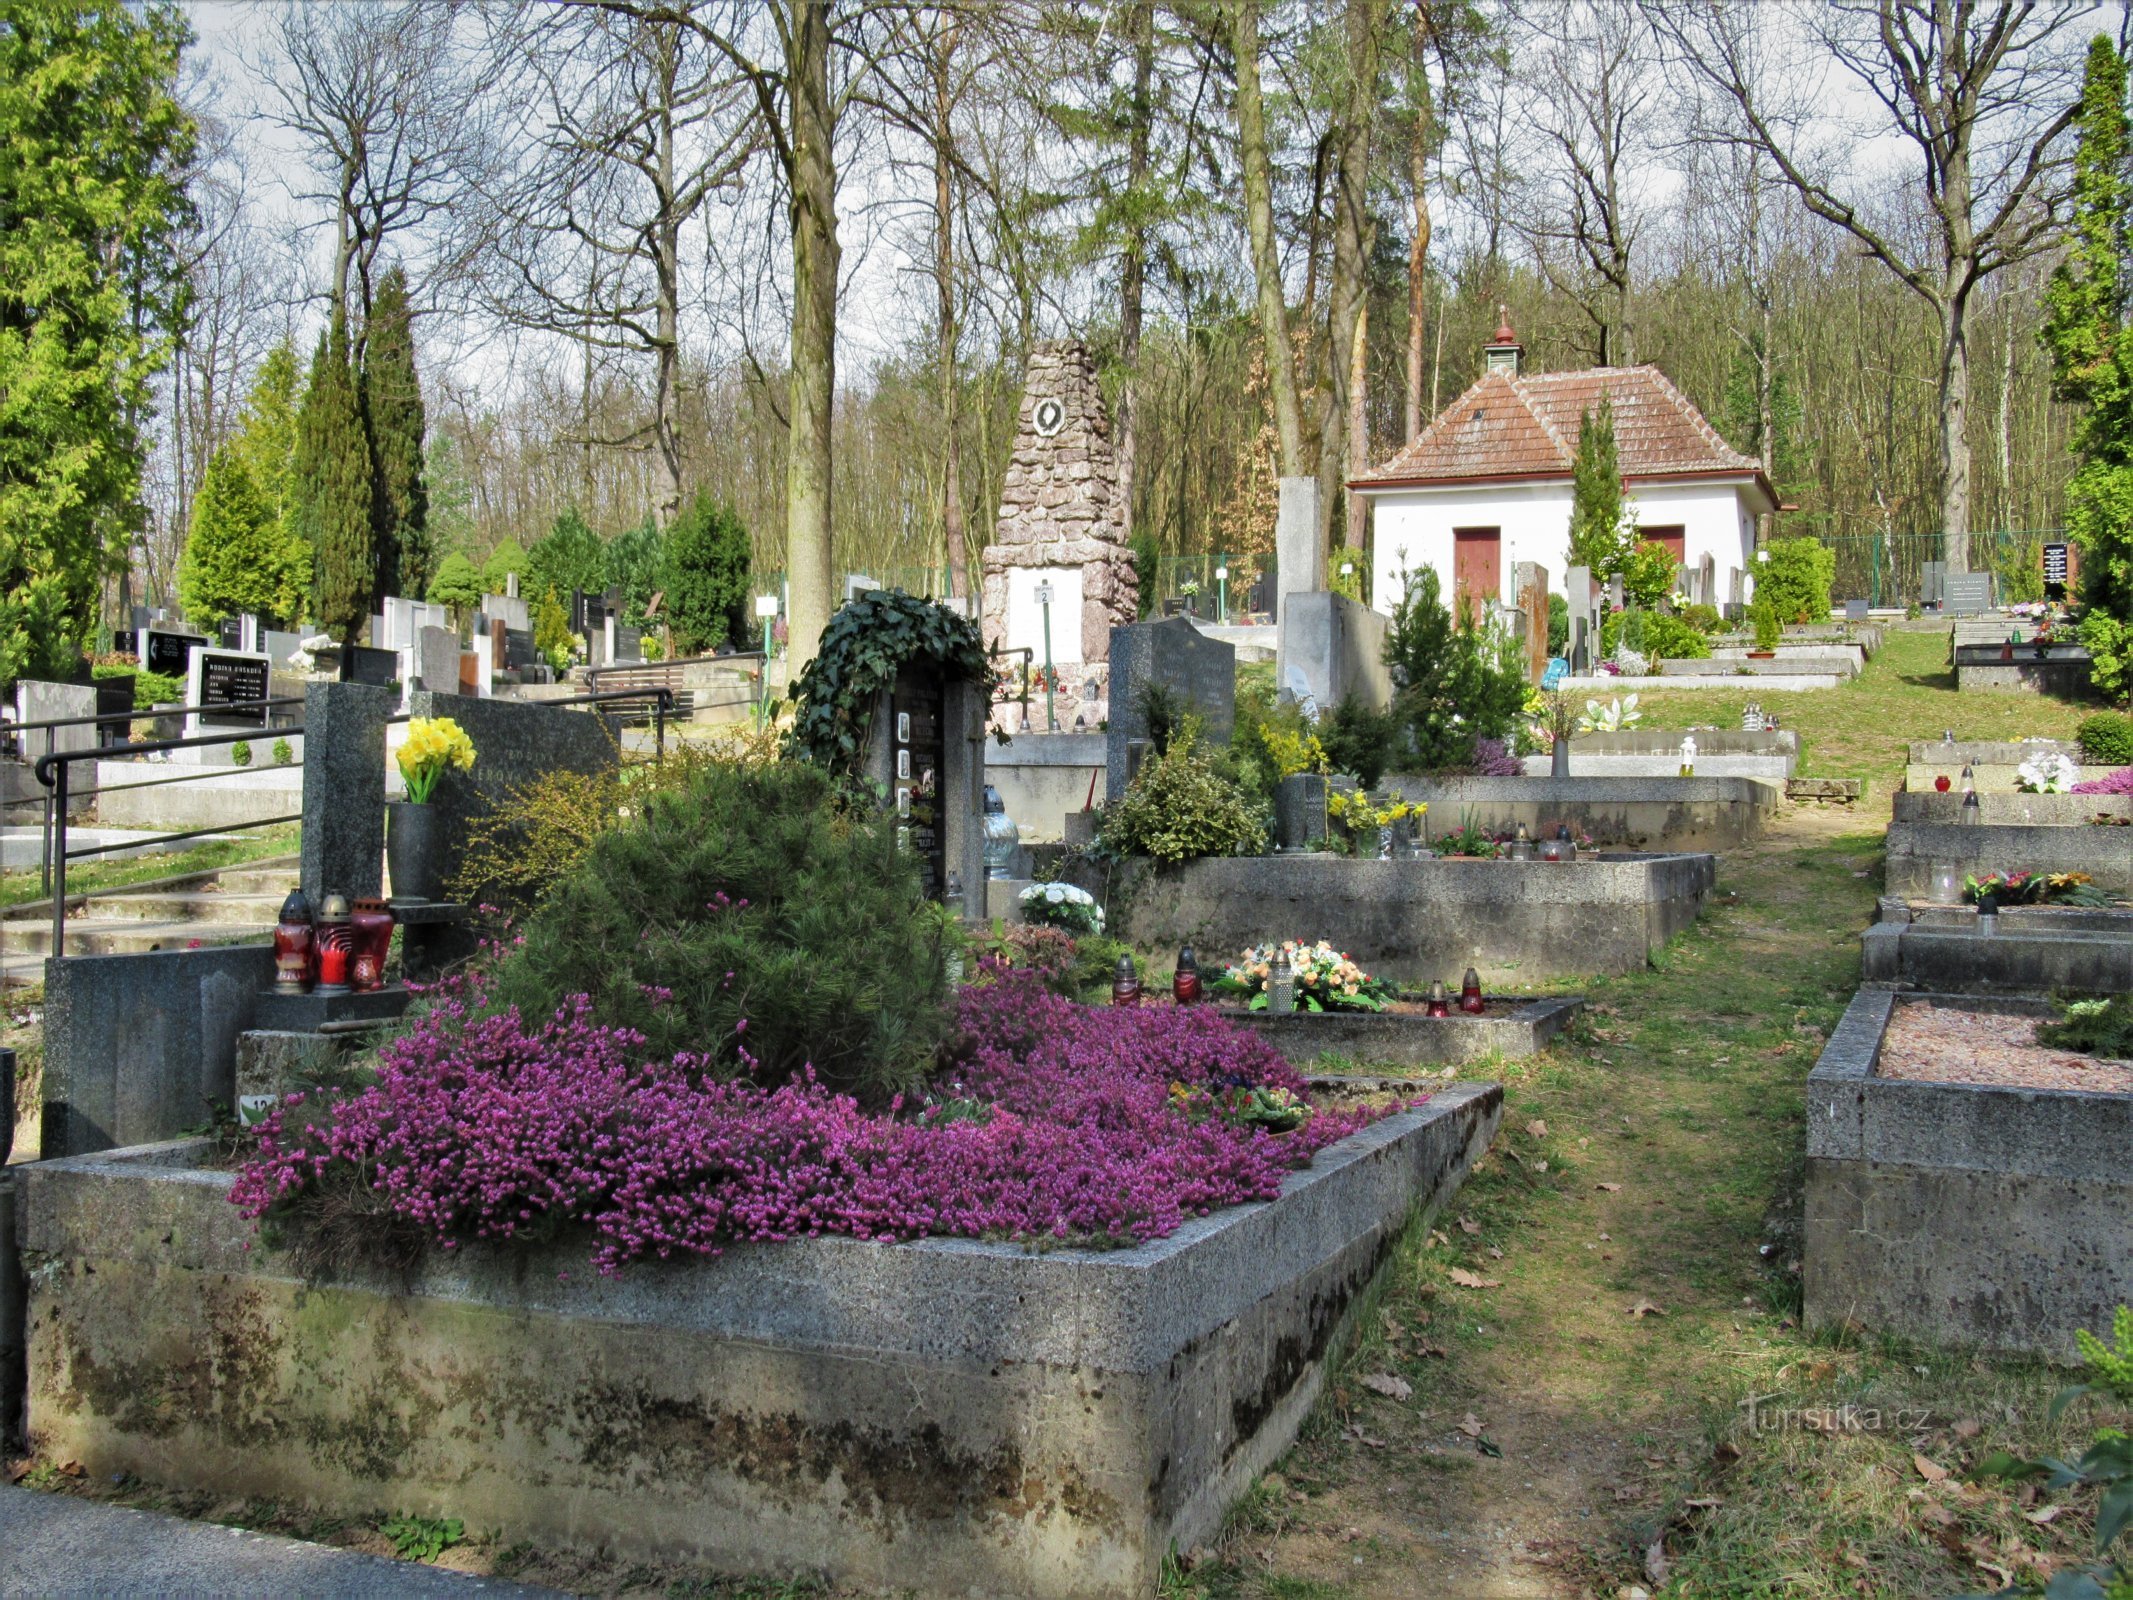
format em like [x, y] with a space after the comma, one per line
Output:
[808, 469]
[1266, 255]
[944, 286]
[1954, 432]
[666, 251]
[1351, 250]
[1133, 268]
[1359, 425]
[2007, 377]
[1418, 244]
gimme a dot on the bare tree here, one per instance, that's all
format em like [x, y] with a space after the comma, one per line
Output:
[1594, 72]
[1980, 91]
[638, 124]
[393, 122]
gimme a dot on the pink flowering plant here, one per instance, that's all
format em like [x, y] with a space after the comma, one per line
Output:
[1047, 1119]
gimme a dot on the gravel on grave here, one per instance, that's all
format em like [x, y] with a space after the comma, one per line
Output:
[1948, 1044]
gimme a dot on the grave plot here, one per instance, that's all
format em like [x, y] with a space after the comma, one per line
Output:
[1993, 765]
[1965, 1184]
[1932, 860]
[1406, 1034]
[1417, 921]
[2018, 950]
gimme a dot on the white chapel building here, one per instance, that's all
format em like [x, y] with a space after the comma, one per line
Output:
[1487, 484]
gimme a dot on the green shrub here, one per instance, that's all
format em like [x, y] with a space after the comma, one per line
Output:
[241, 753]
[1359, 739]
[1704, 619]
[2109, 643]
[283, 753]
[1647, 574]
[1452, 684]
[1181, 807]
[749, 908]
[149, 688]
[2107, 739]
[1668, 638]
[1795, 579]
[2102, 1028]
[1763, 618]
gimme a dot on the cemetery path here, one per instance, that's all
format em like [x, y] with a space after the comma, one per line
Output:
[1633, 1235]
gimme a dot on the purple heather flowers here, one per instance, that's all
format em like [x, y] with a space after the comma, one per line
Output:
[1066, 1121]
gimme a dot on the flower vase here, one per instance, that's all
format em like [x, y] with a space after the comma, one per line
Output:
[1559, 759]
[415, 850]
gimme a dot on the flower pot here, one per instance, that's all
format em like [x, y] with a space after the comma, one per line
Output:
[1762, 655]
[415, 850]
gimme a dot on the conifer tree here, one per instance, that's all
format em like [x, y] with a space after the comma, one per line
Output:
[707, 576]
[1596, 532]
[392, 406]
[234, 552]
[455, 584]
[265, 443]
[508, 557]
[2087, 304]
[335, 464]
[571, 557]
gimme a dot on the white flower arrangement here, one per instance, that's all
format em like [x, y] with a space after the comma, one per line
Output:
[1061, 905]
[2047, 773]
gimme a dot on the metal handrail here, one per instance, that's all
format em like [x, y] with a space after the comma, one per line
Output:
[53, 766]
[139, 712]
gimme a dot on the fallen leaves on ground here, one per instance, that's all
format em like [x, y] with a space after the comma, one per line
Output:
[1609, 1188]
[1470, 1280]
[1469, 1225]
[1537, 1129]
[1644, 1308]
[1473, 1427]
[1390, 1385]
[1931, 1471]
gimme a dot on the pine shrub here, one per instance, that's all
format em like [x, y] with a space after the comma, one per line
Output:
[2107, 739]
[749, 909]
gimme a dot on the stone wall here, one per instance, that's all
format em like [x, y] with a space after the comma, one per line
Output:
[1919, 851]
[1960, 1214]
[1702, 813]
[1412, 921]
[947, 1416]
[1060, 503]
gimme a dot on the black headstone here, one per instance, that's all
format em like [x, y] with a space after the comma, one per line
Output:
[380, 668]
[234, 685]
[171, 653]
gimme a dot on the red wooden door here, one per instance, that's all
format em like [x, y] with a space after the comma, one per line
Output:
[1676, 541]
[1477, 565]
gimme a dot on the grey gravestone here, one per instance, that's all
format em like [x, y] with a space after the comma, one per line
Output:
[1736, 585]
[140, 1047]
[1855, 611]
[1932, 582]
[518, 649]
[45, 702]
[1584, 637]
[1967, 593]
[279, 646]
[1299, 560]
[380, 669]
[437, 660]
[1614, 593]
[629, 644]
[344, 788]
[510, 609]
[515, 742]
[1300, 808]
[1178, 656]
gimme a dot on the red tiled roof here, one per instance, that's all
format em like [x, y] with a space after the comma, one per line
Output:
[1527, 427]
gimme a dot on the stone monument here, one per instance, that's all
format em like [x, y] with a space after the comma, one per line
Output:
[1062, 525]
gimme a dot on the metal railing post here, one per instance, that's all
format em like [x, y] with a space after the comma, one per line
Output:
[659, 721]
[58, 882]
[44, 860]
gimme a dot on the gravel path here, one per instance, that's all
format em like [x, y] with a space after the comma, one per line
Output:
[1943, 1044]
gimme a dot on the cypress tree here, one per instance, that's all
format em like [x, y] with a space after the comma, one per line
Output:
[334, 460]
[1596, 495]
[508, 557]
[232, 559]
[707, 576]
[392, 406]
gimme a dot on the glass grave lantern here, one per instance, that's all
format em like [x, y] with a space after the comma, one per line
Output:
[371, 941]
[1439, 1006]
[1280, 986]
[1125, 983]
[1185, 982]
[334, 945]
[1002, 837]
[1470, 1000]
[293, 936]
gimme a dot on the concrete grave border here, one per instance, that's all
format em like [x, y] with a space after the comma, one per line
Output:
[1962, 1213]
[949, 1415]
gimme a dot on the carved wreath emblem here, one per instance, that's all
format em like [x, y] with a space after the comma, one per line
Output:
[1048, 418]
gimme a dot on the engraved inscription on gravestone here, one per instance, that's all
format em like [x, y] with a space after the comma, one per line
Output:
[233, 685]
[171, 653]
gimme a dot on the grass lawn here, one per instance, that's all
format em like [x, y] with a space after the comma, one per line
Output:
[21, 888]
[1859, 729]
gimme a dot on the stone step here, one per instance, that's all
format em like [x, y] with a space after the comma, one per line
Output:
[202, 907]
[274, 876]
[99, 937]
